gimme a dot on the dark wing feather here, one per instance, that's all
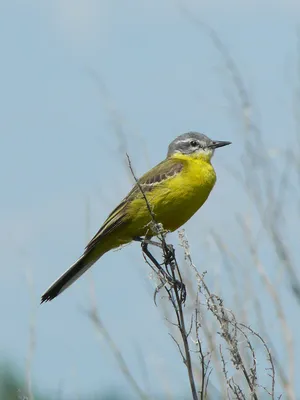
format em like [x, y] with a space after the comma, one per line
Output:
[165, 170]
[115, 219]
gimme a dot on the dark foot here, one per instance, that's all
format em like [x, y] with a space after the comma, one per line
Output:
[182, 291]
[146, 241]
[165, 276]
[169, 254]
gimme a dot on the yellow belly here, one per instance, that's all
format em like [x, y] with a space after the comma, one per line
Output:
[175, 201]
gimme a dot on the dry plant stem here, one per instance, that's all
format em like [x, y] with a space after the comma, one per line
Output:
[175, 296]
[234, 350]
[224, 370]
[174, 293]
[178, 308]
[226, 320]
[203, 367]
[208, 334]
[270, 359]
[279, 309]
[118, 355]
[277, 366]
[103, 332]
[32, 338]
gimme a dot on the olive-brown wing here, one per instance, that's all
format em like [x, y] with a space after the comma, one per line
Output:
[167, 169]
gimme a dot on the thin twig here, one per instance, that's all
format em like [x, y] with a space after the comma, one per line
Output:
[103, 333]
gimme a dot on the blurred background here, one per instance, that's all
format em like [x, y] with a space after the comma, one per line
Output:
[82, 83]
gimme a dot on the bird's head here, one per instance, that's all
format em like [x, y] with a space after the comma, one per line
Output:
[195, 145]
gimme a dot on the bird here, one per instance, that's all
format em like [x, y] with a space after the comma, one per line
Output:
[173, 190]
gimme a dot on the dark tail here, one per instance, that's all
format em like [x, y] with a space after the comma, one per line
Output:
[70, 276]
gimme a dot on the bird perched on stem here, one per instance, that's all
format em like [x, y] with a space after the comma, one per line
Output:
[174, 189]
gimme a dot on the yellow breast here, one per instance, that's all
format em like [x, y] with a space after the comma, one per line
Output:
[177, 199]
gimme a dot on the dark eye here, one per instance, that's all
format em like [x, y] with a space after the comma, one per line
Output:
[194, 143]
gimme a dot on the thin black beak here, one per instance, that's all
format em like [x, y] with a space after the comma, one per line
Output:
[218, 143]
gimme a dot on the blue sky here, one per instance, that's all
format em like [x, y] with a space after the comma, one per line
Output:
[72, 74]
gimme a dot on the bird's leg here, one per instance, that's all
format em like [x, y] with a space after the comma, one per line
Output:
[170, 260]
[168, 248]
[144, 244]
[148, 241]
[169, 255]
[156, 244]
[146, 251]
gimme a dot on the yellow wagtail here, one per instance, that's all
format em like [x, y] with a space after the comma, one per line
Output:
[175, 189]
